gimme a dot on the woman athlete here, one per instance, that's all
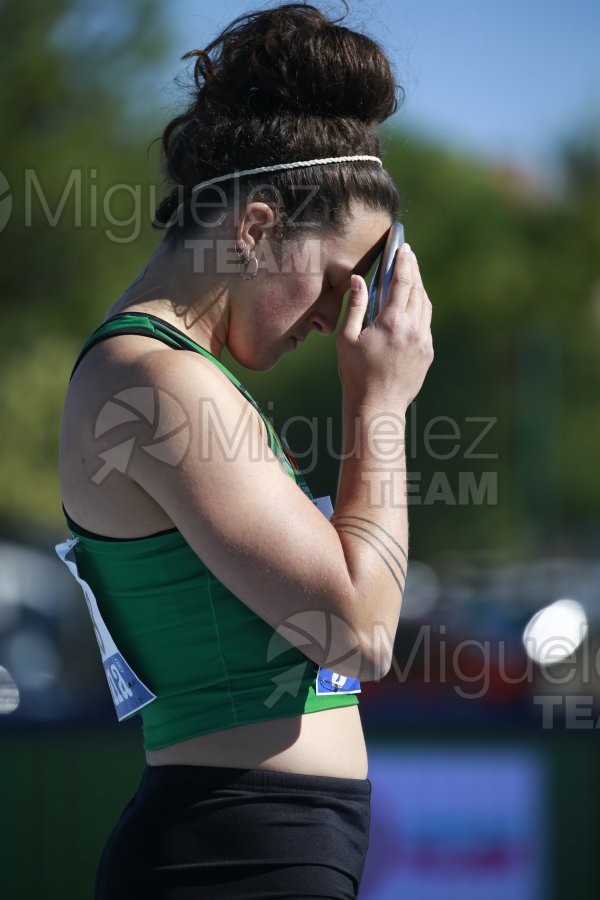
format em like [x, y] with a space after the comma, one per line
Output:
[232, 611]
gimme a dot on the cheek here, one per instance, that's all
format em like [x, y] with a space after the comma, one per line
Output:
[285, 301]
[254, 327]
[298, 293]
[273, 309]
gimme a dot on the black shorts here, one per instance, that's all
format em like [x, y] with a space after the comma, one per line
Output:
[208, 833]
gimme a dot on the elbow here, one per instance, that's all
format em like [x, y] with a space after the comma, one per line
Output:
[377, 654]
[364, 661]
[359, 646]
[356, 661]
[374, 668]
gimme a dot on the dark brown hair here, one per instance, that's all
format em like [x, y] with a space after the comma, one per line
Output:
[281, 85]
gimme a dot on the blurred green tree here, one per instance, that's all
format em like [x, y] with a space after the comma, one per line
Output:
[75, 187]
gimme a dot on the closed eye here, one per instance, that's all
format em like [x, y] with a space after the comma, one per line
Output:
[343, 283]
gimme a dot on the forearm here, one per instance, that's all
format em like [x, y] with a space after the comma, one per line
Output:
[370, 515]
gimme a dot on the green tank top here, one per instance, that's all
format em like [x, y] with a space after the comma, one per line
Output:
[192, 658]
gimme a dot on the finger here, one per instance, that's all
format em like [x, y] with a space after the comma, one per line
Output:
[416, 300]
[401, 282]
[355, 309]
[414, 306]
[426, 311]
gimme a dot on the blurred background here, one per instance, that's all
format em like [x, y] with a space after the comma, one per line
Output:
[482, 737]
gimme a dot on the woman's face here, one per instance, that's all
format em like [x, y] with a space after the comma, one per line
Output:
[300, 288]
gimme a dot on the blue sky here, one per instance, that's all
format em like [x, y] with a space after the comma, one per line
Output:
[503, 80]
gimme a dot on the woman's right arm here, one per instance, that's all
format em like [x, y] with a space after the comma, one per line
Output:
[382, 370]
[249, 522]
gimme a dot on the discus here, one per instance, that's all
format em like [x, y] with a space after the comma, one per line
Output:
[380, 282]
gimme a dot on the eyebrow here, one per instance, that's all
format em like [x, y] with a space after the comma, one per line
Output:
[365, 264]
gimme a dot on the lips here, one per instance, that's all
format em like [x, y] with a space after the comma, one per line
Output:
[297, 340]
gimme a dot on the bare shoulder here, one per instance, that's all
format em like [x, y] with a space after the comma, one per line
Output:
[123, 400]
[204, 419]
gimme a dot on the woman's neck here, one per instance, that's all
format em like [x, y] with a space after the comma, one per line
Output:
[165, 289]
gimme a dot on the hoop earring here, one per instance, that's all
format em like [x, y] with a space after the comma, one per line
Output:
[245, 262]
[242, 253]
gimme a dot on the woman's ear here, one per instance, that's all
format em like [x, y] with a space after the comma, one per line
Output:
[256, 222]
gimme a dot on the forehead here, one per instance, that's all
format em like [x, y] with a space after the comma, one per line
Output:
[362, 239]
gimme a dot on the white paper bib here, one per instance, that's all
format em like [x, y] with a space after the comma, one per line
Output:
[129, 693]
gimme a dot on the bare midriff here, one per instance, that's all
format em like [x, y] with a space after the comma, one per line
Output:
[328, 742]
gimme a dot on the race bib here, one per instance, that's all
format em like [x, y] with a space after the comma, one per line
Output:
[129, 693]
[327, 681]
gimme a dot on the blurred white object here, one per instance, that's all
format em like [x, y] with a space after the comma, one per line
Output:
[555, 632]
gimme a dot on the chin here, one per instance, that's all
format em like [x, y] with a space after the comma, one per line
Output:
[256, 362]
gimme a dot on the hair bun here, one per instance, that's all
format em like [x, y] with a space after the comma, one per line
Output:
[277, 86]
[294, 59]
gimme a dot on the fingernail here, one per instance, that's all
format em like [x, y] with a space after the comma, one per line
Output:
[405, 248]
[355, 282]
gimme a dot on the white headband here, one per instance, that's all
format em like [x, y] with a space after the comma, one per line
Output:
[275, 168]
